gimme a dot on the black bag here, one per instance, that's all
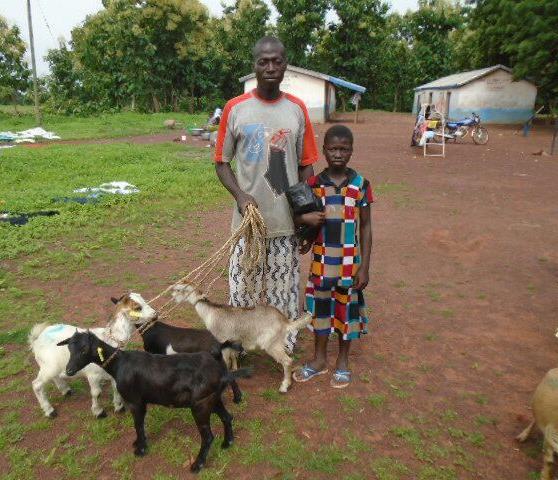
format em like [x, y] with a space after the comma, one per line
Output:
[301, 198]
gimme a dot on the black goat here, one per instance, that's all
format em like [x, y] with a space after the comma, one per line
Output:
[167, 339]
[194, 380]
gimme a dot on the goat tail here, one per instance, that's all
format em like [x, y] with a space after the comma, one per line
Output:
[230, 377]
[299, 323]
[35, 332]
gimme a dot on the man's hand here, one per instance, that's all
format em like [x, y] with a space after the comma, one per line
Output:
[361, 279]
[243, 200]
[313, 219]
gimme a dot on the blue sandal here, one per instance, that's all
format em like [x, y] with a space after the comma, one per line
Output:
[341, 379]
[306, 373]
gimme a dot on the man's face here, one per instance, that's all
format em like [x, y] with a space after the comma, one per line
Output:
[270, 65]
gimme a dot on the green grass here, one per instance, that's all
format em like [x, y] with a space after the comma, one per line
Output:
[388, 468]
[18, 336]
[272, 395]
[377, 400]
[349, 404]
[101, 126]
[171, 189]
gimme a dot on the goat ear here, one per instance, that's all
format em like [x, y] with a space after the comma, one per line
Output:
[114, 300]
[63, 342]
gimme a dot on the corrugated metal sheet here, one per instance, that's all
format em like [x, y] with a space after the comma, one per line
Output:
[328, 78]
[459, 79]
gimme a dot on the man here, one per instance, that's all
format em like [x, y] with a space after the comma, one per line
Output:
[269, 134]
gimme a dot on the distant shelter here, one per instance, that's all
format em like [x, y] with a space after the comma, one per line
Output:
[490, 92]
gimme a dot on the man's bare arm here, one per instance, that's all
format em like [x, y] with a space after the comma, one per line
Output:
[229, 181]
[304, 173]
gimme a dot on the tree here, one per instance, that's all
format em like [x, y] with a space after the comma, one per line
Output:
[299, 26]
[14, 72]
[146, 54]
[428, 31]
[522, 35]
[243, 23]
[352, 45]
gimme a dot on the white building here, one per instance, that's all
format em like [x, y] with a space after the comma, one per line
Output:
[490, 92]
[316, 90]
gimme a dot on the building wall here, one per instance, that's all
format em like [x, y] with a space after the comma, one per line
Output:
[496, 98]
[310, 90]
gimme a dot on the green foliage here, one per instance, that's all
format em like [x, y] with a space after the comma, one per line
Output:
[352, 46]
[299, 26]
[242, 24]
[159, 55]
[140, 55]
[523, 35]
[14, 72]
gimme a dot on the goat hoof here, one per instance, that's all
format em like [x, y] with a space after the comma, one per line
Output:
[226, 444]
[140, 451]
[196, 467]
[68, 393]
[52, 414]
[101, 414]
[121, 409]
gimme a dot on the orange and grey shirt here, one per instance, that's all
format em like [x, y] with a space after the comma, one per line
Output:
[269, 140]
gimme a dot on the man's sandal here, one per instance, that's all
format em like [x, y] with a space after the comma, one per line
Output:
[341, 379]
[306, 373]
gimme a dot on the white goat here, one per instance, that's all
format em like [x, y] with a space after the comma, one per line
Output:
[262, 326]
[52, 359]
[545, 411]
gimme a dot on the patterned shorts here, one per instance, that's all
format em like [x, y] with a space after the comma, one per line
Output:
[338, 309]
[282, 274]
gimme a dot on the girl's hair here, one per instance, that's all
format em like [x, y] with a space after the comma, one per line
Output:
[339, 131]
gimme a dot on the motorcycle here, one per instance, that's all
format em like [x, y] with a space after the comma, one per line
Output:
[460, 129]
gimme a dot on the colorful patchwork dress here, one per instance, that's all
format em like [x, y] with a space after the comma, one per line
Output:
[330, 297]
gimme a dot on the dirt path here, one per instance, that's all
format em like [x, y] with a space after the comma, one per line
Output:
[462, 302]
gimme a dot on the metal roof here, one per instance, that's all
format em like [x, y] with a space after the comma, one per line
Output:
[328, 78]
[459, 79]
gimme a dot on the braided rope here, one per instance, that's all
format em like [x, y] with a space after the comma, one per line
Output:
[253, 230]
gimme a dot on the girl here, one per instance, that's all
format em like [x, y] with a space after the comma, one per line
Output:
[341, 257]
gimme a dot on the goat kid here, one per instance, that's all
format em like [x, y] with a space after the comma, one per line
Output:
[262, 326]
[52, 359]
[194, 380]
[545, 411]
[167, 339]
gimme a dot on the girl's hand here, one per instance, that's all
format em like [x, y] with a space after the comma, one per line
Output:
[361, 279]
[314, 219]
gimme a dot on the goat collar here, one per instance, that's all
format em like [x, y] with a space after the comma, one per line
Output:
[109, 359]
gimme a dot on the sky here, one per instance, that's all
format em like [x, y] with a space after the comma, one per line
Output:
[53, 19]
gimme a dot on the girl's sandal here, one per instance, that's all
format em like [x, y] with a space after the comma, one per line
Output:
[341, 379]
[306, 373]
